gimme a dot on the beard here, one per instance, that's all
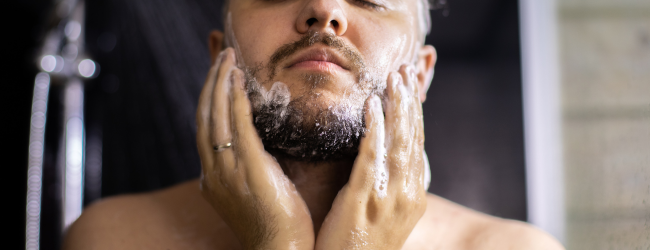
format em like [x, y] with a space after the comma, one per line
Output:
[311, 127]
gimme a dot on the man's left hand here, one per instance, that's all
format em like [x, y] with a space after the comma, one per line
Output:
[385, 196]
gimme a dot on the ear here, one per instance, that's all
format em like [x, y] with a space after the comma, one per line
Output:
[215, 43]
[426, 61]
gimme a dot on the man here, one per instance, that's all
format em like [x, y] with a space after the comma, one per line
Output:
[310, 136]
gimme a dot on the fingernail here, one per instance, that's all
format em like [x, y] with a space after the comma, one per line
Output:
[375, 103]
[221, 57]
[231, 54]
[371, 102]
[398, 79]
[394, 80]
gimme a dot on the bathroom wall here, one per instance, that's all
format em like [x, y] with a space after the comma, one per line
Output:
[605, 64]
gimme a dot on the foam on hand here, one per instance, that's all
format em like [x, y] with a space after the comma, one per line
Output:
[381, 172]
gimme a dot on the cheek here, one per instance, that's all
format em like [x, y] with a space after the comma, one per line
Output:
[385, 44]
[258, 38]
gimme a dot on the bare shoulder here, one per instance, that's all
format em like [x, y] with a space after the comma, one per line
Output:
[447, 225]
[111, 223]
[176, 217]
[510, 234]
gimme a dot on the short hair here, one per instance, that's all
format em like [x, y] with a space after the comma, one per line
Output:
[424, 15]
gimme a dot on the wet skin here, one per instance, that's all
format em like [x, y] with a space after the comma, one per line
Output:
[250, 199]
[372, 209]
[386, 37]
[263, 206]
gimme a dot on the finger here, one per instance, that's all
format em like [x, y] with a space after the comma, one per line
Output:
[203, 114]
[220, 112]
[369, 170]
[261, 172]
[415, 105]
[399, 128]
[247, 143]
[417, 125]
[220, 115]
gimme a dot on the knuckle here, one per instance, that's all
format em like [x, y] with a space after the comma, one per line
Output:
[371, 154]
[401, 141]
[373, 209]
[402, 205]
[398, 161]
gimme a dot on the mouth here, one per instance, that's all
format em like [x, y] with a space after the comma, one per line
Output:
[320, 59]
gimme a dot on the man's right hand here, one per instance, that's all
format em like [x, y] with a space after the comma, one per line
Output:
[244, 183]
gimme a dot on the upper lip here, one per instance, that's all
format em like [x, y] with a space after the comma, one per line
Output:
[322, 54]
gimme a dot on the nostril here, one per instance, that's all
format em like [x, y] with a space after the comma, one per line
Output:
[335, 23]
[311, 21]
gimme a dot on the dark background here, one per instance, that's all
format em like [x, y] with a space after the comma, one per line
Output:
[153, 59]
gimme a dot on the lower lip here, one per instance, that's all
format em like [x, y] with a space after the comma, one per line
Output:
[317, 66]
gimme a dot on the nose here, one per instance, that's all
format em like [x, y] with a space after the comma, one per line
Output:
[322, 16]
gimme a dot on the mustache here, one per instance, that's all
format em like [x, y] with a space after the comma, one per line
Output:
[313, 37]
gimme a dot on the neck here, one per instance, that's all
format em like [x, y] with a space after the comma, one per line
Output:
[318, 183]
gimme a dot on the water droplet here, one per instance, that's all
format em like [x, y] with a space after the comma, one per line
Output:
[383, 174]
[381, 187]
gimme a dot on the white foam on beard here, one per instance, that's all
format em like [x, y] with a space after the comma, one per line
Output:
[278, 96]
[306, 128]
[342, 120]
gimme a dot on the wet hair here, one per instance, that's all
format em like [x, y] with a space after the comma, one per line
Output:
[424, 15]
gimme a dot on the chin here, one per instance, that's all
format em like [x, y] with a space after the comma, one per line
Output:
[310, 127]
[315, 117]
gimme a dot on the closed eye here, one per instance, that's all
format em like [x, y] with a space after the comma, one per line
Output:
[367, 4]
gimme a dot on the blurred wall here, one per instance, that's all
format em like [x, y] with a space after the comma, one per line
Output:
[605, 61]
[473, 112]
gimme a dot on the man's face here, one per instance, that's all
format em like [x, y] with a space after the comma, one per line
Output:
[311, 65]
